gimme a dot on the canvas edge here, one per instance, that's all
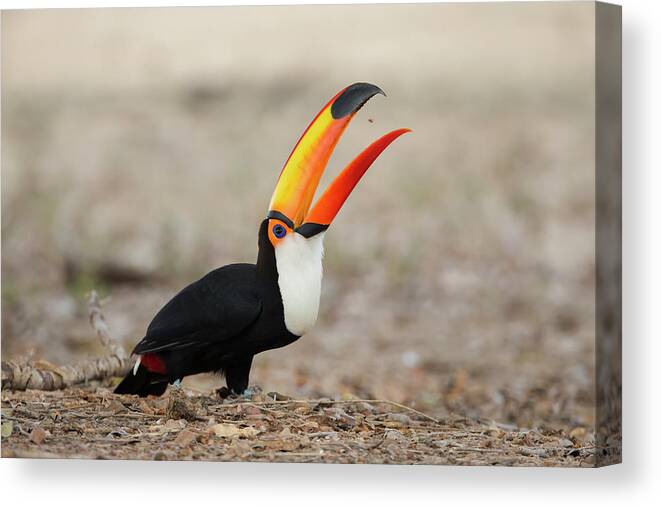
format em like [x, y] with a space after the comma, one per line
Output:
[608, 232]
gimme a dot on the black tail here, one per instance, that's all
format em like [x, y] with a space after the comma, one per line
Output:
[143, 383]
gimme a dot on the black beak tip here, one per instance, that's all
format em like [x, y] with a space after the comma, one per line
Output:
[353, 98]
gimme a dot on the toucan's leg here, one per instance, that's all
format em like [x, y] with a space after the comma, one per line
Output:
[238, 374]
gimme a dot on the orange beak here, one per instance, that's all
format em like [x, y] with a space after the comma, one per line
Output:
[300, 176]
[329, 204]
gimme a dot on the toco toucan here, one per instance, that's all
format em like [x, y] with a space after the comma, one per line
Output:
[218, 323]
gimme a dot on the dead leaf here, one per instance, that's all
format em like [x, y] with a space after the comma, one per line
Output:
[310, 426]
[185, 438]
[7, 428]
[250, 410]
[395, 435]
[340, 417]
[286, 432]
[303, 410]
[38, 435]
[175, 424]
[225, 430]
[578, 434]
[239, 449]
[365, 408]
[117, 407]
[169, 426]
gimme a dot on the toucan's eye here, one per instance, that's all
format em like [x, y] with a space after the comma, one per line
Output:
[279, 231]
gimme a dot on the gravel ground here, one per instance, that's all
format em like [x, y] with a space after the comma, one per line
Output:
[93, 424]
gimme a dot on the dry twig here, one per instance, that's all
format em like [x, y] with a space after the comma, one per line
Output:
[42, 375]
[333, 402]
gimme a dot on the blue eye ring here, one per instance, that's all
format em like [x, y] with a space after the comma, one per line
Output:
[279, 231]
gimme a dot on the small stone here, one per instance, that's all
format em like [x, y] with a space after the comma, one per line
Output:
[565, 442]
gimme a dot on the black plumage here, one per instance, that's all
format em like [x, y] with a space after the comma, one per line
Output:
[217, 323]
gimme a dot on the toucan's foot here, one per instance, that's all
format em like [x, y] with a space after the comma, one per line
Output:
[247, 395]
[251, 392]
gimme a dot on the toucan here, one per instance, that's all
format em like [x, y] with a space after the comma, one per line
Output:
[221, 321]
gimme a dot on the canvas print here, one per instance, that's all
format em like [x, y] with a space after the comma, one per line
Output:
[320, 234]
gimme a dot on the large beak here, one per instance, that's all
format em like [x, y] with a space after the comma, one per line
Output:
[300, 176]
[329, 204]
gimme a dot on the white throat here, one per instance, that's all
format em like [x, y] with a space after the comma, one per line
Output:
[299, 277]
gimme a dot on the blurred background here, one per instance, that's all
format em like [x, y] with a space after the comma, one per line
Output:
[140, 148]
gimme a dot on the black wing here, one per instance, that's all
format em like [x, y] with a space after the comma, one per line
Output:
[215, 308]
